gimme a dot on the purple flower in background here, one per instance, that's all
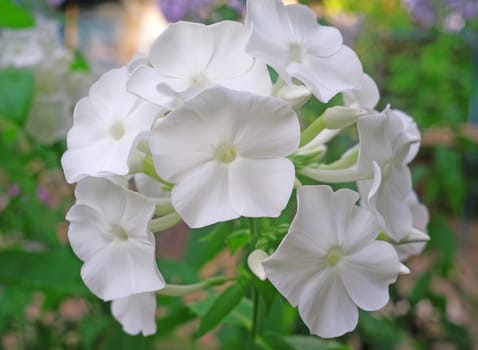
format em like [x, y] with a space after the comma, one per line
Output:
[174, 10]
[423, 10]
[13, 190]
[467, 8]
[237, 5]
[197, 6]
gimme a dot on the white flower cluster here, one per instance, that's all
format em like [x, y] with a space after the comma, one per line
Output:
[209, 138]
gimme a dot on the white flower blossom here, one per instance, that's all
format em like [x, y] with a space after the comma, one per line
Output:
[289, 39]
[105, 126]
[225, 152]
[330, 262]
[385, 146]
[136, 313]
[188, 58]
[109, 231]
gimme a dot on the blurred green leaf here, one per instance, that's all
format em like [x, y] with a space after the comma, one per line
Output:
[57, 270]
[303, 342]
[16, 91]
[205, 243]
[272, 341]
[238, 239]
[444, 241]
[14, 16]
[378, 332]
[221, 307]
[421, 288]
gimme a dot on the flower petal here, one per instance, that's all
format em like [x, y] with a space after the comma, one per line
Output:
[260, 187]
[147, 82]
[102, 195]
[366, 96]
[266, 127]
[110, 86]
[316, 40]
[201, 196]
[136, 313]
[122, 268]
[327, 76]
[171, 53]
[176, 148]
[87, 232]
[326, 308]
[367, 273]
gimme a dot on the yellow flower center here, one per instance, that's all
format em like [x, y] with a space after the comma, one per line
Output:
[117, 130]
[333, 256]
[226, 153]
[119, 232]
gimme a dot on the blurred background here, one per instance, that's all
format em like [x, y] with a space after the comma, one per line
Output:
[423, 54]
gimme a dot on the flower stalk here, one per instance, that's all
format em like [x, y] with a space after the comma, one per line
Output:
[165, 222]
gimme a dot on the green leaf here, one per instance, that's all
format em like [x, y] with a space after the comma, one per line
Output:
[16, 91]
[379, 332]
[221, 307]
[238, 239]
[443, 240]
[240, 316]
[57, 270]
[205, 243]
[271, 341]
[303, 342]
[14, 16]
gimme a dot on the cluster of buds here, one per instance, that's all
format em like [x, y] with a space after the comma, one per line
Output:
[205, 136]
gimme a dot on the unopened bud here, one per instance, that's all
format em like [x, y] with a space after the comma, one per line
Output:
[254, 260]
[339, 117]
[295, 95]
[404, 270]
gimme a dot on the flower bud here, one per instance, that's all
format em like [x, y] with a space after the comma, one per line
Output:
[254, 261]
[339, 117]
[295, 95]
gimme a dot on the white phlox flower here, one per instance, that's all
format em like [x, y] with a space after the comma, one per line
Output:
[289, 39]
[20, 48]
[105, 126]
[330, 262]
[384, 150]
[136, 313]
[230, 159]
[109, 231]
[188, 58]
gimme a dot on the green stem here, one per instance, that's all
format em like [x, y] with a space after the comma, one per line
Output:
[254, 227]
[183, 289]
[148, 169]
[312, 130]
[165, 222]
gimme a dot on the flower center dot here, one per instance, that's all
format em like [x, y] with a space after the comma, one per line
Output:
[333, 256]
[119, 233]
[117, 130]
[226, 153]
[295, 53]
